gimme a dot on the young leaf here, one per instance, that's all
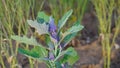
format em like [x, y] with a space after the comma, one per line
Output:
[63, 20]
[26, 40]
[43, 16]
[70, 56]
[36, 52]
[40, 28]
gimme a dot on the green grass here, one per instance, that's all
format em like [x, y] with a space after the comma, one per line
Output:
[104, 11]
[13, 16]
[58, 8]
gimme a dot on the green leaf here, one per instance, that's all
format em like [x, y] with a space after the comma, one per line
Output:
[40, 20]
[43, 16]
[63, 20]
[40, 28]
[71, 33]
[26, 40]
[75, 28]
[57, 64]
[48, 42]
[36, 52]
[41, 24]
[68, 38]
[70, 56]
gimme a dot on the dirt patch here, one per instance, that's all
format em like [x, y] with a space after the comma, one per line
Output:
[90, 55]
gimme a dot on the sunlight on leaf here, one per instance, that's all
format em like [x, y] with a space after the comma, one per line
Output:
[40, 28]
[26, 40]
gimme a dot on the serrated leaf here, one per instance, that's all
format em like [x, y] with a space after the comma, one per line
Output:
[70, 56]
[43, 16]
[36, 52]
[40, 28]
[26, 40]
[63, 20]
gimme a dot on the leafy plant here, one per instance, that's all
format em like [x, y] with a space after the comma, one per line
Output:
[54, 54]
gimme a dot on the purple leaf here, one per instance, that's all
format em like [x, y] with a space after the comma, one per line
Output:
[52, 28]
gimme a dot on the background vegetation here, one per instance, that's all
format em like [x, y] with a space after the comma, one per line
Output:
[15, 13]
